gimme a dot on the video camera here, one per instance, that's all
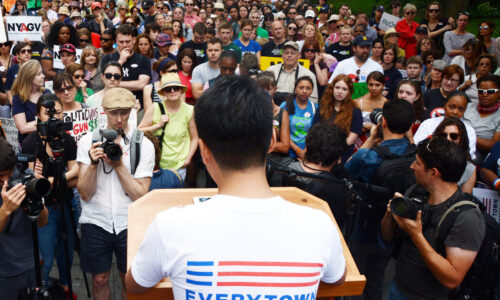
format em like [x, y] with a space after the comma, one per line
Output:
[112, 150]
[36, 189]
[53, 128]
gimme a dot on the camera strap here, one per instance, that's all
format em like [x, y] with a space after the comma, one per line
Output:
[163, 113]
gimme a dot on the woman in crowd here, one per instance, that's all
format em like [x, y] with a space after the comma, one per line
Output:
[65, 89]
[434, 78]
[484, 116]
[467, 61]
[90, 61]
[77, 72]
[186, 61]
[311, 51]
[337, 107]
[242, 14]
[83, 36]
[27, 88]
[46, 25]
[174, 123]
[292, 31]
[111, 77]
[107, 41]
[434, 99]
[311, 33]
[391, 37]
[6, 60]
[144, 46]
[454, 130]
[455, 107]
[454, 40]
[406, 29]
[377, 48]
[135, 11]
[392, 75]
[60, 34]
[122, 14]
[19, 9]
[374, 99]
[160, 20]
[436, 24]
[425, 45]
[210, 22]
[301, 111]
[163, 66]
[411, 91]
[486, 64]
[177, 37]
[50, 236]
[203, 15]
[486, 42]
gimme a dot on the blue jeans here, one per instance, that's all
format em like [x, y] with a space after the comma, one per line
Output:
[394, 293]
[51, 243]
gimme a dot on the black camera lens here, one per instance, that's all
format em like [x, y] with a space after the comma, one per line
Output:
[376, 116]
[38, 187]
[112, 150]
[405, 207]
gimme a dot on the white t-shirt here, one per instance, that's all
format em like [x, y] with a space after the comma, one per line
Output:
[108, 207]
[203, 73]
[348, 66]
[234, 248]
[428, 127]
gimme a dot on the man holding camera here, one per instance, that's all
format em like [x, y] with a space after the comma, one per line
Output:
[107, 187]
[397, 118]
[16, 251]
[427, 268]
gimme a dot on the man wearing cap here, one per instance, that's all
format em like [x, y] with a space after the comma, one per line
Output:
[164, 41]
[190, 18]
[323, 17]
[148, 7]
[274, 46]
[100, 23]
[362, 19]
[360, 65]
[67, 52]
[107, 188]
[208, 70]
[310, 16]
[287, 72]
[136, 67]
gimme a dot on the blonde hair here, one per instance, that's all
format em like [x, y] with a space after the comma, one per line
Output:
[86, 52]
[23, 84]
[409, 7]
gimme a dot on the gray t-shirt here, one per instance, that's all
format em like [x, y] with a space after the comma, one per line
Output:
[484, 127]
[203, 73]
[453, 41]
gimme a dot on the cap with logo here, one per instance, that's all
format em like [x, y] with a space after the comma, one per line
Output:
[118, 98]
[95, 5]
[361, 40]
[163, 40]
[380, 8]
[146, 4]
[68, 48]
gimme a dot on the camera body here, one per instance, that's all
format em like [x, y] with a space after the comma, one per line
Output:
[376, 116]
[53, 129]
[407, 207]
[36, 189]
[112, 150]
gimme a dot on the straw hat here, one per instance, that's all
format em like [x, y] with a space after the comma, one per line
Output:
[171, 79]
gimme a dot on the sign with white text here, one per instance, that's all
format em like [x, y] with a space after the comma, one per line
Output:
[57, 63]
[388, 21]
[9, 126]
[491, 201]
[20, 28]
[84, 121]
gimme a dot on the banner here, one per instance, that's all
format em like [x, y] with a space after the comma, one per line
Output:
[267, 61]
[360, 89]
[57, 63]
[9, 126]
[84, 121]
[490, 199]
[388, 21]
[24, 27]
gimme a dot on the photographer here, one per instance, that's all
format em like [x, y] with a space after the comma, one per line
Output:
[422, 271]
[107, 187]
[16, 252]
[51, 236]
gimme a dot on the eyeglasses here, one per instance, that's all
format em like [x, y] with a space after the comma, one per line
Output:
[78, 76]
[83, 40]
[299, 19]
[105, 40]
[130, 23]
[66, 89]
[464, 13]
[173, 71]
[483, 27]
[411, 13]
[188, 4]
[171, 89]
[488, 91]
[116, 76]
[289, 53]
[433, 10]
[393, 6]
[453, 136]
[451, 80]
[122, 8]
[26, 51]
[357, 75]
[292, 13]
[292, 28]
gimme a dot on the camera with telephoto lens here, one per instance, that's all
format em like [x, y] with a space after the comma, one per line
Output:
[36, 189]
[53, 128]
[112, 150]
[407, 207]
[376, 116]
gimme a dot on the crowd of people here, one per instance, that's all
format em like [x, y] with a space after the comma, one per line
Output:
[428, 88]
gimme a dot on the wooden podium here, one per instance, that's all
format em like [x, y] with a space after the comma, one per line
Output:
[142, 212]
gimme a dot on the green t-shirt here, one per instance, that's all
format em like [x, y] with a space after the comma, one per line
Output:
[79, 95]
[34, 4]
[235, 48]
[261, 33]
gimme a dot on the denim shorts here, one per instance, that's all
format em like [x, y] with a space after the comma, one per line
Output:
[97, 247]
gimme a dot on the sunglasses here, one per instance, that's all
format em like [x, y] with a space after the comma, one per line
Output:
[433, 10]
[105, 40]
[483, 27]
[281, 19]
[310, 50]
[116, 76]
[173, 71]
[83, 40]
[188, 4]
[292, 28]
[324, 35]
[488, 91]
[6, 44]
[78, 76]
[209, 23]
[453, 136]
[411, 13]
[429, 62]
[26, 51]
[171, 89]
[130, 23]
[66, 89]
[219, 9]
[292, 13]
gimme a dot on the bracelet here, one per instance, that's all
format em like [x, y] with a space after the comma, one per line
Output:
[496, 183]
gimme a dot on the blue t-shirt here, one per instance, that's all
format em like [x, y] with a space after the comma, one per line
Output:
[164, 179]
[253, 47]
[11, 75]
[29, 110]
[300, 123]
[492, 161]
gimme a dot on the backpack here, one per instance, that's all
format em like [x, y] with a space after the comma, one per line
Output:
[135, 147]
[480, 281]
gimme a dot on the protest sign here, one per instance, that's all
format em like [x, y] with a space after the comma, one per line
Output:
[24, 27]
[57, 63]
[360, 89]
[3, 35]
[267, 61]
[388, 21]
[9, 126]
[491, 201]
[84, 121]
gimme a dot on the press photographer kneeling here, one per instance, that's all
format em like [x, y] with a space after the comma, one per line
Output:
[55, 153]
[17, 265]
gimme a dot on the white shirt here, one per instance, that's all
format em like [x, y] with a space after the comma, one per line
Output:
[348, 66]
[108, 207]
[285, 82]
[238, 246]
[428, 127]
